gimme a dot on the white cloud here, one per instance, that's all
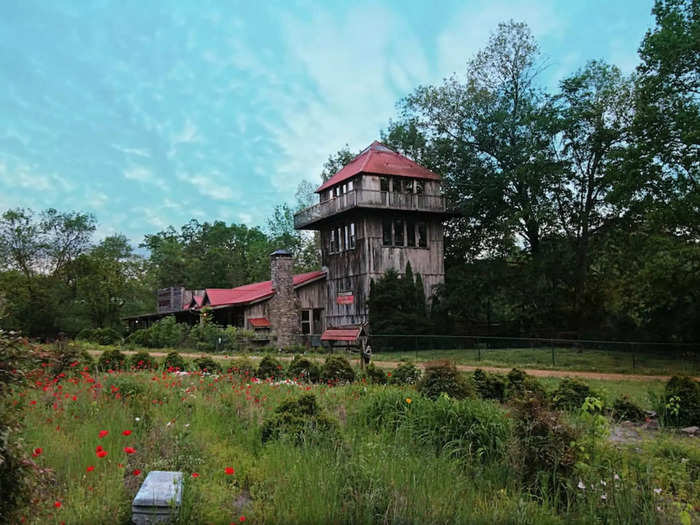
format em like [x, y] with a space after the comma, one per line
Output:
[132, 151]
[28, 176]
[213, 185]
[145, 176]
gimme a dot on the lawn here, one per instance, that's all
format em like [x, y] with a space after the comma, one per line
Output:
[611, 361]
[374, 453]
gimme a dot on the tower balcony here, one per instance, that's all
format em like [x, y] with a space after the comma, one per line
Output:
[309, 218]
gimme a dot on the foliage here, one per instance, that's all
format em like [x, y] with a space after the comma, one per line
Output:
[174, 361]
[164, 333]
[442, 377]
[207, 364]
[100, 336]
[242, 367]
[112, 359]
[405, 374]
[571, 394]
[489, 386]
[519, 385]
[624, 409]
[299, 420]
[682, 401]
[205, 336]
[143, 361]
[303, 369]
[337, 369]
[374, 374]
[68, 358]
[269, 367]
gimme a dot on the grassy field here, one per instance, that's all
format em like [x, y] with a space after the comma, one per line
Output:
[564, 359]
[387, 455]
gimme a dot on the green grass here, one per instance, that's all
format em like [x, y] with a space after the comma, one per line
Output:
[440, 464]
[564, 359]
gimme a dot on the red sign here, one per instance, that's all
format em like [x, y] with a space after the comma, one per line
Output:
[345, 299]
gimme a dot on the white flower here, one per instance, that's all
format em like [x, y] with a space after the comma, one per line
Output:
[187, 425]
[581, 485]
[169, 423]
[602, 482]
[616, 477]
[137, 418]
[603, 496]
[657, 491]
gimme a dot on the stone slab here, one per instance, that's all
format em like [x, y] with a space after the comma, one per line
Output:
[158, 498]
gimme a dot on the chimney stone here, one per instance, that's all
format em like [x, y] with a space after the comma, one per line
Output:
[284, 311]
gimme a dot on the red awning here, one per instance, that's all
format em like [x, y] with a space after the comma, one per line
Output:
[259, 322]
[341, 334]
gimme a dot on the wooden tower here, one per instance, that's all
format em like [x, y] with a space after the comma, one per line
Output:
[380, 211]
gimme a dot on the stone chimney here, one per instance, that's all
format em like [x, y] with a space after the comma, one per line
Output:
[284, 312]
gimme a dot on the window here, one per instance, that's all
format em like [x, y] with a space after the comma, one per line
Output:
[398, 232]
[384, 183]
[350, 185]
[306, 322]
[420, 186]
[337, 191]
[346, 239]
[422, 235]
[318, 320]
[410, 233]
[339, 233]
[334, 242]
[396, 184]
[386, 232]
[352, 236]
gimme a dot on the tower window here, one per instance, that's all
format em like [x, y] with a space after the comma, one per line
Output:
[384, 183]
[398, 232]
[352, 236]
[420, 186]
[334, 242]
[410, 233]
[422, 235]
[386, 232]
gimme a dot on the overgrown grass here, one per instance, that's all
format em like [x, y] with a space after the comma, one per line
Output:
[399, 457]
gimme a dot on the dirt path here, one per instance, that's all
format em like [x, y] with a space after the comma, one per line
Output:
[464, 368]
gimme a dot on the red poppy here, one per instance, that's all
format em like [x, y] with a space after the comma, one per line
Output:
[103, 433]
[136, 472]
[90, 469]
[74, 398]
[241, 519]
[101, 453]
[129, 450]
[195, 475]
[57, 504]
[37, 451]
[99, 448]
[126, 433]
[229, 471]
[32, 403]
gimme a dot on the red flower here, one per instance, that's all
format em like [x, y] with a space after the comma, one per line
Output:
[229, 471]
[90, 469]
[99, 448]
[32, 402]
[103, 433]
[136, 472]
[195, 475]
[37, 451]
[57, 504]
[126, 433]
[241, 519]
[129, 450]
[101, 453]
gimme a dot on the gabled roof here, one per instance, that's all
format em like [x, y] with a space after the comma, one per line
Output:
[249, 293]
[341, 334]
[380, 160]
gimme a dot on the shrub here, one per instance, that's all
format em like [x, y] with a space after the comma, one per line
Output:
[242, 367]
[236, 339]
[100, 336]
[624, 408]
[519, 385]
[443, 377]
[303, 369]
[269, 367]
[405, 374]
[489, 386]
[300, 421]
[166, 332]
[544, 450]
[142, 361]
[337, 369]
[174, 362]
[375, 375]
[206, 337]
[295, 349]
[140, 337]
[571, 393]
[112, 360]
[127, 385]
[682, 401]
[69, 358]
[207, 364]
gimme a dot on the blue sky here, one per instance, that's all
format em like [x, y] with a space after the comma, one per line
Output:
[151, 113]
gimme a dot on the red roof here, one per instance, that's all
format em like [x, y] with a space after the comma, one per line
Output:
[198, 299]
[252, 292]
[379, 159]
[259, 322]
[341, 334]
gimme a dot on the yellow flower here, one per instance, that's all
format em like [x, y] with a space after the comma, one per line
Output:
[408, 400]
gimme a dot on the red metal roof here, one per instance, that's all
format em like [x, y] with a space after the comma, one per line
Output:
[198, 300]
[341, 334]
[379, 159]
[259, 322]
[252, 292]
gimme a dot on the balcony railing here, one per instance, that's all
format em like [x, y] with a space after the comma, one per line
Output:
[369, 199]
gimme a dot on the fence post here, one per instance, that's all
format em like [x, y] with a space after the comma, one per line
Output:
[634, 356]
[553, 363]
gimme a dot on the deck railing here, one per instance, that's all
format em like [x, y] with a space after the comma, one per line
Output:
[369, 199]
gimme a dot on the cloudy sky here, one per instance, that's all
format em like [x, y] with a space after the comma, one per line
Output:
[150, 113]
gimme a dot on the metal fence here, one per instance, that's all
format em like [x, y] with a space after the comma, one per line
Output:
[546, 352]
